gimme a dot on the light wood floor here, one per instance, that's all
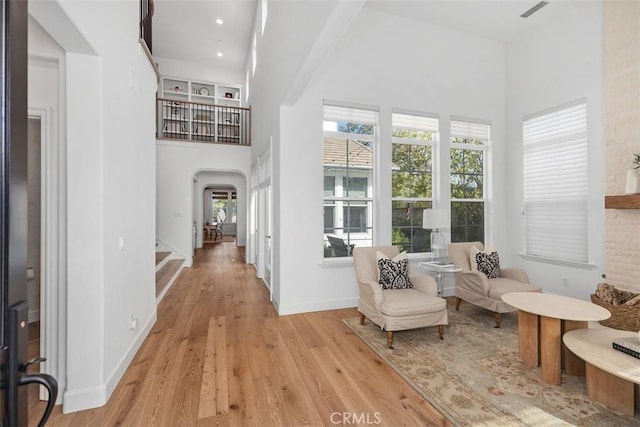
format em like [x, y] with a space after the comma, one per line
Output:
[220, 354]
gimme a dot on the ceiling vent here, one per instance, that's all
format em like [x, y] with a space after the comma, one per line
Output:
[534, 9]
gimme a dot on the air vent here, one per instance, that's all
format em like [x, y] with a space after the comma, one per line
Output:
[534, 9]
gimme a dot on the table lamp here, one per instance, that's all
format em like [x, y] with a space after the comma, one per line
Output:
[436, 219]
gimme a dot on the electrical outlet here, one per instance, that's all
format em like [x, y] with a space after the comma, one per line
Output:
[133, 325]
[565, 282]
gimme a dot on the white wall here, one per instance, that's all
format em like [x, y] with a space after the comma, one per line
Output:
[176, 206]
[110, 141]
[444, 72]
[192, 71]
[548, 67]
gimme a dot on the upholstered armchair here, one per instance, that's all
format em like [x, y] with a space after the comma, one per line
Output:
[476, 288]
[396, 309]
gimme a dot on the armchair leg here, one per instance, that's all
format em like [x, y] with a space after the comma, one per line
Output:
[441, 331]
[458, 301]
[361, 319]
[498, 317]
[390, 339]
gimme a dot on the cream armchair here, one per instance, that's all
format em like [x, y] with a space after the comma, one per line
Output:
[396, 309]
[476, 288]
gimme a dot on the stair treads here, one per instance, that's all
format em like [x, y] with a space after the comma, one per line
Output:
[160, 256]
[164, 275]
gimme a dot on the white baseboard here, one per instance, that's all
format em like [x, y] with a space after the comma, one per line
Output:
[171, 247]
[169, 284]
[284, 309]
[78, 400]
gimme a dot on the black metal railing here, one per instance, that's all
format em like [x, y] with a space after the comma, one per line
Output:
[197, 122]
[146, 15]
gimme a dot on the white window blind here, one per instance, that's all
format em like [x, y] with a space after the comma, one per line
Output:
[555, 183]
[334, 113]
[406, 121]
[469, 130]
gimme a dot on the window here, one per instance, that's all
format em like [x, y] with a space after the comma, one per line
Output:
[411, 179]
[469, 144]
[555, 183]
[348, 150]
[224, 207]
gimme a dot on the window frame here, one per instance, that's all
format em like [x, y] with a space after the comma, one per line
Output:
[339, 201]
[484, 148]
[413, 201]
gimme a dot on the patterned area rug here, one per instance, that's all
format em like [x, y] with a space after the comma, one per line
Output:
[474, 377]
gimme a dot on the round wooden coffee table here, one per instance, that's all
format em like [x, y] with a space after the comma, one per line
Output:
[542, 320]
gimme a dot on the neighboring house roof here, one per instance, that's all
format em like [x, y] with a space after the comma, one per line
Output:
[335, 153]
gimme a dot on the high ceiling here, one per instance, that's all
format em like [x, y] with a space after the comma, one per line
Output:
[493, 19]
[186, 30]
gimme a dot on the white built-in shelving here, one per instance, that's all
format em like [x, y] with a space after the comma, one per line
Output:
[201, 111]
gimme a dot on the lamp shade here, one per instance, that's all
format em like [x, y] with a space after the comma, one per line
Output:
[435, 218]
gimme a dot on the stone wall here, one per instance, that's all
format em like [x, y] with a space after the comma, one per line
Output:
[622, 135]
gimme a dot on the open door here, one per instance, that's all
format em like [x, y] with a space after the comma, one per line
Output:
[13, 223]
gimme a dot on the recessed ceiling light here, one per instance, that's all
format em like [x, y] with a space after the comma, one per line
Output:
[219, 21]
[219, 53]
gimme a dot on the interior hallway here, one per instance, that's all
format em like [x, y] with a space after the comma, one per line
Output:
[220, 354]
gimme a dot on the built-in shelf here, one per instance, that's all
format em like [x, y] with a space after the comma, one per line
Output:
[624, 201]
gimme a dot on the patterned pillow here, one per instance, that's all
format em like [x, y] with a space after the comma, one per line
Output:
[394, 274]
[489, 264]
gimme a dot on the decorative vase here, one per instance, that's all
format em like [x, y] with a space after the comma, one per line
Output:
[632, 185]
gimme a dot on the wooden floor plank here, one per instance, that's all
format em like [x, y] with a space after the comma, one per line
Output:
[219, 354]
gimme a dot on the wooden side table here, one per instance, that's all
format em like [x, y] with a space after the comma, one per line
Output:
[542, 320]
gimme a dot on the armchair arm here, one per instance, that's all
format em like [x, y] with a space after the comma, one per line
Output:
[371, 292]
[516, 274]
[425, 284]
[472, 281]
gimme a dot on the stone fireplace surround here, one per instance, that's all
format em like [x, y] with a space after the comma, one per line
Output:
[622, 136]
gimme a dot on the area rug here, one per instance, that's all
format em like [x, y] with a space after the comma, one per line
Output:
[474, 377]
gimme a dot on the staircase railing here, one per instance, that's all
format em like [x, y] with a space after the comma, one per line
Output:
[198, 122]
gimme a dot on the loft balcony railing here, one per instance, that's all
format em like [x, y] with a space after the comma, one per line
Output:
[146, 13]
[197, 122]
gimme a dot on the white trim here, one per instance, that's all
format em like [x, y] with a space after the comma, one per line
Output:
[307, 307]
[546, 260]
[95, 397]
[554, 109]
[350, 105]
[173, 248]
[415, 113]
[52, 258]
[470, 120]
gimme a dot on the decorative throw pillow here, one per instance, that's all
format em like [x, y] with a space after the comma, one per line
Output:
[474, 251]
[489, 264]
[393, 273]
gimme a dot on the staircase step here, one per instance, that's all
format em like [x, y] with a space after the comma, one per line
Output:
[160, 256]
[166, 273]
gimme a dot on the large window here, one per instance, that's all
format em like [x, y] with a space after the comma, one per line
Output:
[469, 144]
[555, 183]
[411, 178]
[224, 207]
[348, 159]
